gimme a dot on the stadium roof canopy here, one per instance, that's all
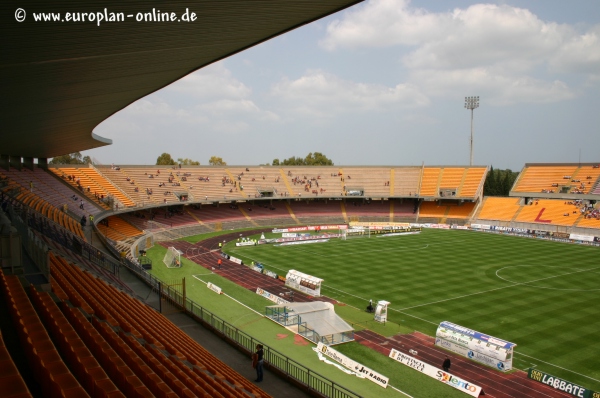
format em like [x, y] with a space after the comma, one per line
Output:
[59, 80]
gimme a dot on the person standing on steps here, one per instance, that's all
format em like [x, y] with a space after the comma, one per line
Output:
[258, 362]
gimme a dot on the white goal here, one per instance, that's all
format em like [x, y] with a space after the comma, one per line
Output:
[172, 258]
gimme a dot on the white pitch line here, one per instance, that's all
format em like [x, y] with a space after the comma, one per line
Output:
[499, 288]
[393, 309]
[400, 391]
[560, 367]
[237, 301]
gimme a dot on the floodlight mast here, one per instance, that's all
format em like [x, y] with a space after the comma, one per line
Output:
[471, 103]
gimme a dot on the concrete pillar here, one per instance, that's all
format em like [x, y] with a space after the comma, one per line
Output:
[43, 163]
[4, 164]
[15, 161]
[28, 163]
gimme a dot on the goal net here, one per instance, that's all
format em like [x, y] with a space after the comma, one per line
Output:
[172, 258]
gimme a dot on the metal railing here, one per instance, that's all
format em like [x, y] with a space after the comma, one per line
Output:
[21, 213]
[276, 361]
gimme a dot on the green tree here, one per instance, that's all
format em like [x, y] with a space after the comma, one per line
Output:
[72, 158]
[487, 185]
[499, 182]
[188, 162]
[216, 161]
[165, 160]
[317, 159]
[275, 162]
[312, 159]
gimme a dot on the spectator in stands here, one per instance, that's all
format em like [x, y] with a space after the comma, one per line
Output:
[258, 362]
[31, 185]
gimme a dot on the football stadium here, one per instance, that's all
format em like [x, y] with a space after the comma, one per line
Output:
[123, 280]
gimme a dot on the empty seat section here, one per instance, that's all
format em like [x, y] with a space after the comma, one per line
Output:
[48, 367]
[462, 211]
[432, 210]
[451, 178]
[429, 181]
[117, 229]
[71, 347]
[406, 181]
[107, 186]
[473, 182]
[548, 179]
[502, 209]
[11, 381]
[549, 211]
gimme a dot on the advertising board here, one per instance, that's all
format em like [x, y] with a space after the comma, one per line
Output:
[351, 364]
[561, 385]
[475, 345]
[438, 374]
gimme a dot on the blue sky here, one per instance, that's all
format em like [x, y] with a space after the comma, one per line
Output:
[383, 83]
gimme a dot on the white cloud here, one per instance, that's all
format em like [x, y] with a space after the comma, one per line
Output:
[210, 99]
[497, 89]
[499, 49]
[320, 93]
[581, 53]
[212, 82]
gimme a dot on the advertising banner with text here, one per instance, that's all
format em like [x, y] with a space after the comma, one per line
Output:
[438, 374]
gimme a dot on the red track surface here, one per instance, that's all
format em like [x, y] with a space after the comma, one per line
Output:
[494, 383]
[206, 254]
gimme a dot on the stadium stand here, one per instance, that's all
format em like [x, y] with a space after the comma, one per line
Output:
[495, 208]
[430, 181]
[116, 228]
[549, 211]
[52, 190]
[81, 183]
[372, 181]
[558, 179]
[48, 367]
[150, 185]
[39, 205]
[181, 366]
[462, 211]
[12, 384]
[405, 181]
[442, 211]
[451, 179]
[472, 182]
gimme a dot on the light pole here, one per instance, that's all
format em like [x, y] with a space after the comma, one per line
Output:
[471, 103]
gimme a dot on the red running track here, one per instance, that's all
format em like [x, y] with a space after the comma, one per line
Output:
[206, 253]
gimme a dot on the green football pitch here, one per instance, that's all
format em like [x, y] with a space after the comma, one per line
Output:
[544, 296]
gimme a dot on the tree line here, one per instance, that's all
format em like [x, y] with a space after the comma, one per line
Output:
[499, 182]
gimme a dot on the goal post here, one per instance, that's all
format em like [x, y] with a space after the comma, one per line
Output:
[172, 258]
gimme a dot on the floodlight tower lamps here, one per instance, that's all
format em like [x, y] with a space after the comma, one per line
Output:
[471, 103]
